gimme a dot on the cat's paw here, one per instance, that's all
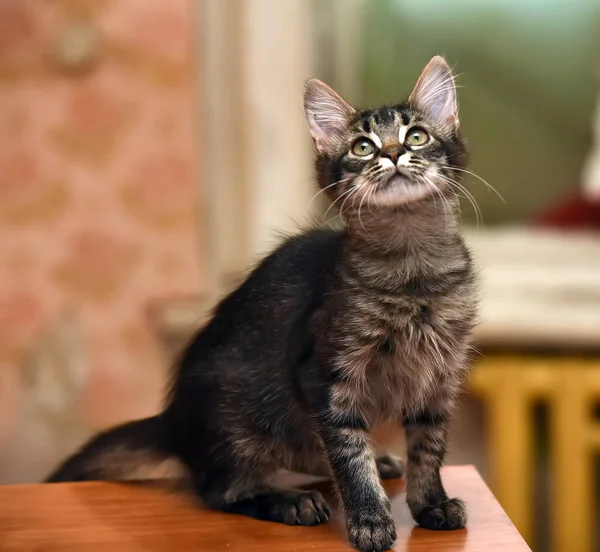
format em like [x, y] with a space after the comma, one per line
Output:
[301, 508]
[372, 532]
[292, 507]
[448, 515]
[390, 466]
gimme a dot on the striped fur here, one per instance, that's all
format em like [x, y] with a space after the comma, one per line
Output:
[332, 335]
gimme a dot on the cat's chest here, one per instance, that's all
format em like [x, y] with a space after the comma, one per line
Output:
[404, 358]
[404, 369]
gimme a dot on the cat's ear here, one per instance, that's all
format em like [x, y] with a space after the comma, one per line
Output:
[327, 114]
[435, 92]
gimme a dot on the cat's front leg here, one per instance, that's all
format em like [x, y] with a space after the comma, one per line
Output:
[345, 436]
[426, 441]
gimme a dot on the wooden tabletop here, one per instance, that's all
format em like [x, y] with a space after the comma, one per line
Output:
[139, 518]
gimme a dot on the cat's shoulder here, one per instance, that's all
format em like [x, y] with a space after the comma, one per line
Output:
[313, 243]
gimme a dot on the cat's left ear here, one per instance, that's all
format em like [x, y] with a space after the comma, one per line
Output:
[327, 114]
[435, 92]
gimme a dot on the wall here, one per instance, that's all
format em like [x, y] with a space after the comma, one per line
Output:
[98, 192]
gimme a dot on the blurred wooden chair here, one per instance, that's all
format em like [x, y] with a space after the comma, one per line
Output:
[570, 387]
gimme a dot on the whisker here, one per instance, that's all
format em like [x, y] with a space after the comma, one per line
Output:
[359, 208]
[371, 192]
[326, 188]
[354, 190]
[346, 195]
[464, 191]
[489, 186]
[336, 200]
[445, 203]
[426, 180]
[422, 179]
[468, 196]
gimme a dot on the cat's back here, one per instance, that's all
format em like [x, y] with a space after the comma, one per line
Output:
[291, 275]
[275, 297]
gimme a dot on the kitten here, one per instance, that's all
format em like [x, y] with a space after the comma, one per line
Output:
[333, 333]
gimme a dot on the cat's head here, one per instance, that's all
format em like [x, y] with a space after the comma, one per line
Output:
[393, 155]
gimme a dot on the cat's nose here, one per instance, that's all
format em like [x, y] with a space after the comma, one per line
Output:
[392, 152]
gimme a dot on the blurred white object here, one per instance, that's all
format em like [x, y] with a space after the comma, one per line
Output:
[48, 425]
[538, 287]
[591, 169]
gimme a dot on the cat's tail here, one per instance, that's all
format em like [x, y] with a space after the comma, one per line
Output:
[133, 451]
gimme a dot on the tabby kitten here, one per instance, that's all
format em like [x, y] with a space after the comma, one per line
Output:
[333, 333]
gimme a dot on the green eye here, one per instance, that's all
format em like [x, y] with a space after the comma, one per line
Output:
[363, 147]
[417, 137]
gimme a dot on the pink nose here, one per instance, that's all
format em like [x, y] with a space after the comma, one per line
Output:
[392, 152]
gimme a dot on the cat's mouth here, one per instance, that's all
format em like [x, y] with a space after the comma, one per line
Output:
[398, 189]
[398, 178]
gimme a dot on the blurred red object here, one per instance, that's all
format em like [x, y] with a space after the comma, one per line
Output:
[573, 212]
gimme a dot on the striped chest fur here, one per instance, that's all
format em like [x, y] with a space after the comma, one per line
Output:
[406, 337]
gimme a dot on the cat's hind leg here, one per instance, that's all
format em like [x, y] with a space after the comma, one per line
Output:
[390, 466]
[243, 491]
[289, 506]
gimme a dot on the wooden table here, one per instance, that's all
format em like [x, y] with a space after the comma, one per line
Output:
[141, 518]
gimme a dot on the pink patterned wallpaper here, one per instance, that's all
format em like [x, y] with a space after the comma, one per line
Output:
[98, 190]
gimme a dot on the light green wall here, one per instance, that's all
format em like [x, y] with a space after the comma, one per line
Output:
[528, 86]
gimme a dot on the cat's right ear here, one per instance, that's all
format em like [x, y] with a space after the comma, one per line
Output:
[435, 92]
[327, 114]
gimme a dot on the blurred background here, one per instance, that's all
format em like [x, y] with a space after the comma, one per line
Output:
[150, 151]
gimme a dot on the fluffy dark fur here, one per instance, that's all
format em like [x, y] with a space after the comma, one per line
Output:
[333, 333]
